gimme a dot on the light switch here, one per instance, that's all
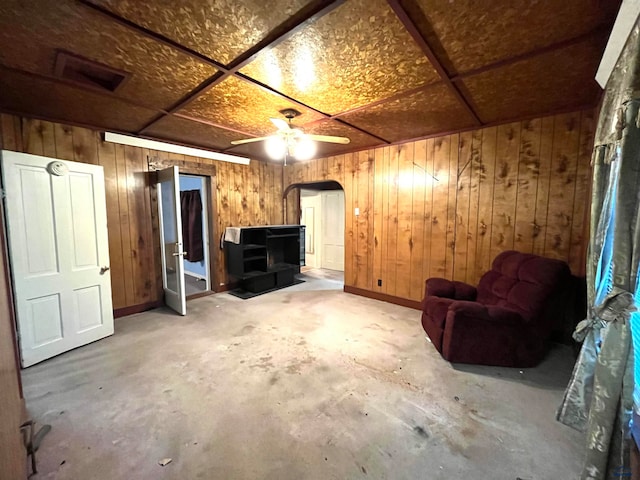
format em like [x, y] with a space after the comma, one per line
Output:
[357, 211]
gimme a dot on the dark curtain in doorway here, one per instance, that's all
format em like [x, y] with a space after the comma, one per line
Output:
[191, 208]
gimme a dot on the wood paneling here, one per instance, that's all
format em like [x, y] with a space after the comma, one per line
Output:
[12, 453]
[448, 205]
[438, 207]
[244, 195]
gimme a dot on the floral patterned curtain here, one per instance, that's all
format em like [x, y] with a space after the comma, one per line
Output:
[598, 399]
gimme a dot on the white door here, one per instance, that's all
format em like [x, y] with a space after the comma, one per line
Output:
[171, 239]
[333, 230]
[59, 253]
[310, 206]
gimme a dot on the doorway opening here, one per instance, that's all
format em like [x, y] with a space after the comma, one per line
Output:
[195, 233]
[322, 211]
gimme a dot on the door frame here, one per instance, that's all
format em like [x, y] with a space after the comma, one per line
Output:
[209, 173]
[206, 186]
[320, 185]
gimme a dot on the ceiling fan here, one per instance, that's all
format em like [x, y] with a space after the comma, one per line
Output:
[289, 141]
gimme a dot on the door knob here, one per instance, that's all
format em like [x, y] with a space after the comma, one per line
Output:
[103, 269]
[179, 254]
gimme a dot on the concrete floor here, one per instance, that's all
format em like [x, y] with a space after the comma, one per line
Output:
[194, 285]
[296, 384]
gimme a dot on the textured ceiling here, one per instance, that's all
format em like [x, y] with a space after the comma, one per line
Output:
[203, 73]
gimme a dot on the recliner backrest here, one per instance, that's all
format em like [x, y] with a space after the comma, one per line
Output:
[522, 282]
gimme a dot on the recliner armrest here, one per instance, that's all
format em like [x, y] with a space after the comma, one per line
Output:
[475, 333]
[465, 311]
[441, 287]
[464, 291]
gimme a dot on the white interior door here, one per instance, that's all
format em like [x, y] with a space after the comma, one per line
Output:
[59, 253]
[333, 230]
[171, 239]
[310, 206]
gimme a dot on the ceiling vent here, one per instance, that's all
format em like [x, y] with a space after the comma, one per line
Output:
[88, 73]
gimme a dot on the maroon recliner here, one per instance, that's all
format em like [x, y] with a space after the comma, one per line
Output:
[507, 320]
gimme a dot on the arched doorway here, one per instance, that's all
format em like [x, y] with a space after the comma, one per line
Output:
[320, 206]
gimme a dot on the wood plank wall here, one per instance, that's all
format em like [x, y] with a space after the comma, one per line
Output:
[12, 452]
[446, 206]
[244, 195]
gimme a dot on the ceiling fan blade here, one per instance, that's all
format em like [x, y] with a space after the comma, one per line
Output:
[329, 138]
[281, 124]
[249, 140]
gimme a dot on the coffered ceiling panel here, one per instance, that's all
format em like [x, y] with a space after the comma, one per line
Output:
[191, 133]
[245, 107]
[32, 32]
[383, 66]
[43, 98]
[434, 109]
[357, 54]
[221, 29]
[358, 139]
[467, 34]
[554, 81]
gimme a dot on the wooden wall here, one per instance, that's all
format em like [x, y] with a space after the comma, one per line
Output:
[244, 195]
[13, 455]
[446, 206]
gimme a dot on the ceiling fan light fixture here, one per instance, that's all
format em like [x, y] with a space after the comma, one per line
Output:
[276, 147]
[304, 148]
[289, 141]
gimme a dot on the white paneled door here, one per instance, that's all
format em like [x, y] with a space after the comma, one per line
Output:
[310, 207]
[333, 230]
[59, 253]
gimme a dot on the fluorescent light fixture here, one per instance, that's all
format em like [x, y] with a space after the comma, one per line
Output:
[172, 148]
[625, 21]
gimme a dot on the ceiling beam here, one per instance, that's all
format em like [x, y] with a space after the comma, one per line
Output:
[244, 59]
[596, 33]
[397, 96]
[308, 14]
[325, 116]
[151, 34]
[80, 86]
[213, 124]
[289, 27]
[362, 130]
[204, 86]
[417, 36]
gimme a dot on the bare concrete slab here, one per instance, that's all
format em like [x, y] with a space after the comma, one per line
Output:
[301, 383]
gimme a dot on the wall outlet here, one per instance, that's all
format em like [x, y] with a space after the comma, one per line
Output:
[379, 282]
[357, 211]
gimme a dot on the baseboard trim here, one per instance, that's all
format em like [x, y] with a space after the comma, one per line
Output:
[405, 302]
[206, 293]
[226, 287]
[142, 307]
